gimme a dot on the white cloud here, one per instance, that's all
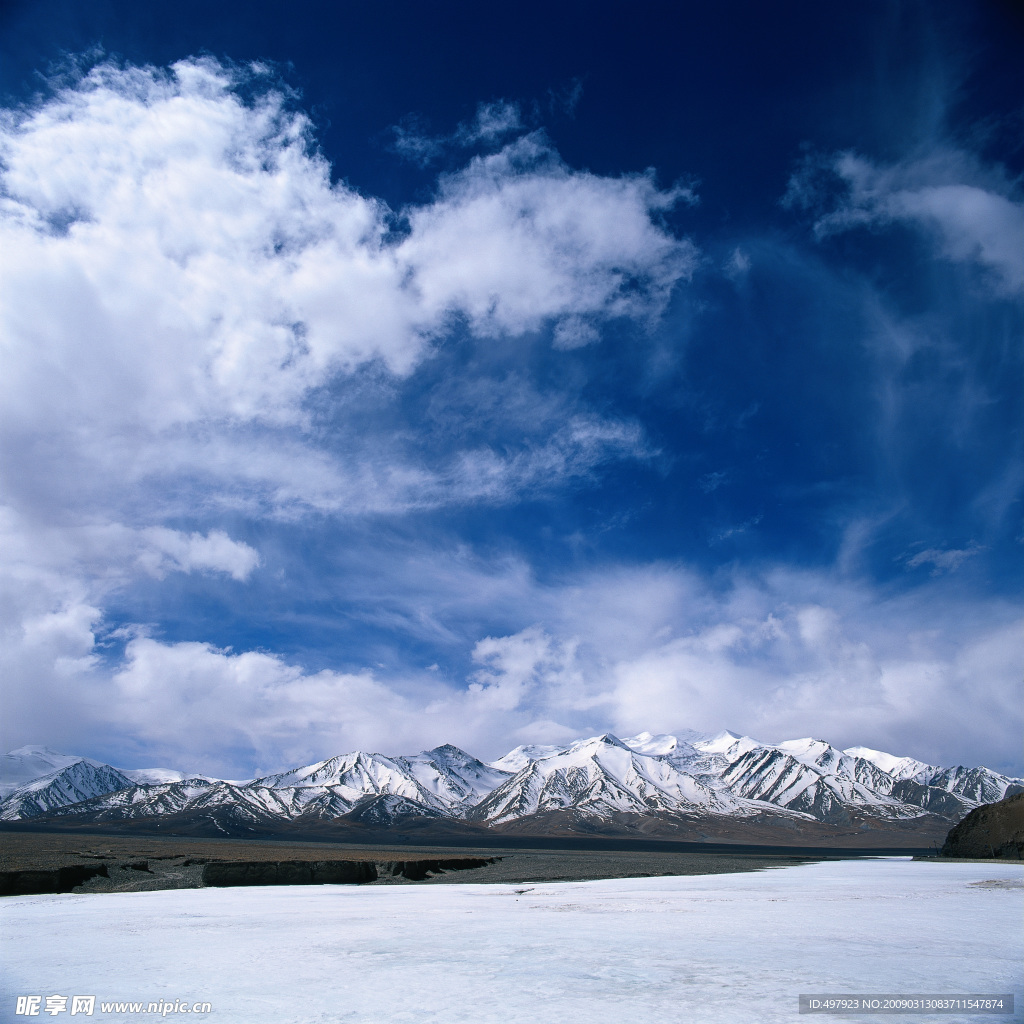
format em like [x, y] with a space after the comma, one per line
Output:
[178, 276]
[737, 266]
[517, 239]
[493, 121]
[574, 332]
[777, 655]
[517, 666]
[209, 270]
[936, 675]
[773, 667]
[411, 141]
[710, 482]
[943, 559]
[55, 580]
[974, 214]
[169, 550]
[109, 554]
[209, 705]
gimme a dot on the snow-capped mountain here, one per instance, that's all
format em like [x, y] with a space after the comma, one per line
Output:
[445, 779]
[80, 780]
[600, 779]
[36, 780]
[26, 764]
[897, 767]
[825, 791]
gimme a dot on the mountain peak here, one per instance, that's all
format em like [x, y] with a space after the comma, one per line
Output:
[726, 742]
[649, 743]
[598, 777]
[606, 739]
[448, 751]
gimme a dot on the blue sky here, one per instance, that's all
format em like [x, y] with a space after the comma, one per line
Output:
[387, 375]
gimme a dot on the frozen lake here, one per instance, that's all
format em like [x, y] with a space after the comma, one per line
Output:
[707, 948]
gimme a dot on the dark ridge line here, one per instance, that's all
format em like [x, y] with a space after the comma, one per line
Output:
[473, 841]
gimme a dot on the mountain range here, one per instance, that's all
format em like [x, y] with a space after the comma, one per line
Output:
[657, 785]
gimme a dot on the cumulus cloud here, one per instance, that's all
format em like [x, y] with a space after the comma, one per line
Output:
[215, 704]
[185, 293]
[775, 655]
[974, 214]
[179, 273]
[174, 254]
[798, 654]
[169, 550]
[516, 667]
[55, 581]
[517, 239]
[190, 306]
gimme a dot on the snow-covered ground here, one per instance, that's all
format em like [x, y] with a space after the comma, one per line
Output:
[700, 948]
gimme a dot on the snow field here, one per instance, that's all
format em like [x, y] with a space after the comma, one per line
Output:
[706, 949]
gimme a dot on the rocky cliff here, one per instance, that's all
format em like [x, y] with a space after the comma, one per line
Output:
[992, 830]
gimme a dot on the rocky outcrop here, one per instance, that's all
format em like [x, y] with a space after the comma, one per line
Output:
[418, 870]
[288, 872]
[31, 883]
[331, 872]
[223, 873]
[992, 830]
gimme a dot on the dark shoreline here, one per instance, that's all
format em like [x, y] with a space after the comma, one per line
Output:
[454, 843]
[73, 860]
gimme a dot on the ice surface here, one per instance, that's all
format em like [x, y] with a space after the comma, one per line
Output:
[712, 948]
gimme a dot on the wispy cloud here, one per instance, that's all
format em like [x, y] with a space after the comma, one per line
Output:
[710, 482]
[974, 213]
[737, 266]
[774, 655]
[411, 140]
[493, 124]
[943, 559]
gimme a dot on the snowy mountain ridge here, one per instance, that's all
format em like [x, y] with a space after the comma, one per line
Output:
[597, 778]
